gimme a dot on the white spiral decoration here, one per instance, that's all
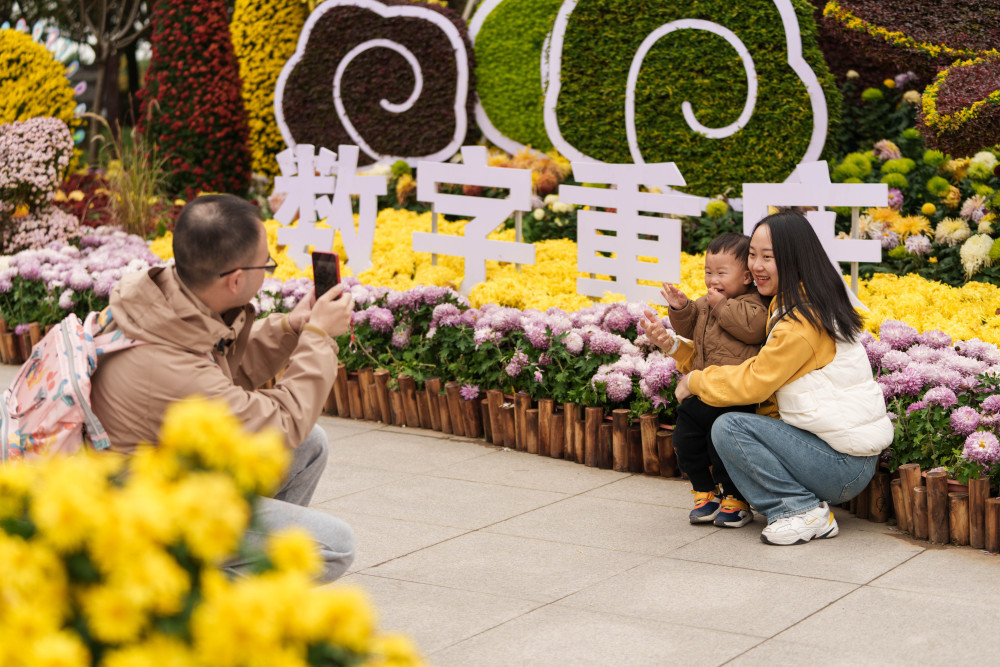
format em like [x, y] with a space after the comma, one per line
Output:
[712, 133]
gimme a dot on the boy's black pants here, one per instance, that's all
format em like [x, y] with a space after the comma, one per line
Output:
[694, 448]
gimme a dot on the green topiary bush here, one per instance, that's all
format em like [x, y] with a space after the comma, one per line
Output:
[697, 66]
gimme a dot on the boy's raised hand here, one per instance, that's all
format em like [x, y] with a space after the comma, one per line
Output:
[676, 299]
[714, 297]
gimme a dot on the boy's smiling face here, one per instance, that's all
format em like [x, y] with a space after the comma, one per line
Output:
[726, 274]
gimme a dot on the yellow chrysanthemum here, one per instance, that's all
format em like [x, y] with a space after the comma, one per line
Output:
[910, 225]
[293, 550]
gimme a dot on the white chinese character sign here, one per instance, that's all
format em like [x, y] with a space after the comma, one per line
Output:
[635, 235]
[307, 180]
[815, 189]
[485, 213]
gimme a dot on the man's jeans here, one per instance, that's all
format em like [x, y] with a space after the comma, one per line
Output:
[783, 470]
[289, 507]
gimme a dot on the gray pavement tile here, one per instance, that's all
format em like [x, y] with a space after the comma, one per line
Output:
[560, 636]
[344, 478]
[392, 450]
[608, 524]
[954, 572]
[854, 556]
[666, 491]
[780, 653]
[378, 539]
[883, 626]
[444, 502]
[530, 471]
[436, 617]
[341, 427]
[514, 566]
[687, 593]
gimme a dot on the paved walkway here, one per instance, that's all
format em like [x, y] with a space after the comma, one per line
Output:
[491, 557]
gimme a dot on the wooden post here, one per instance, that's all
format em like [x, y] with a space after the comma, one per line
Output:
[522, 403]
[593, 416]
[24, 346]
[557, 434]
[919, 514]
[992, 523]
[408, 388]
[546, 406]
[398, 413]
[909, 473]
[899, 504]
[494, 399]
[531, 431]
[424, 410]
[366, 377]
[650, 424]
[354, 398]
[509, 425]
[937, 507]
[432, 387]
[330, 406]
[473, 421]
[444, 413]
[958, 518]
[879, 498]
[635, 463]
[34, 333]
[572, 412]
[605, 437]
[484, 411]
[861, 509]
[340, 392]
[979, 490]
[369, 397]
[665, 452]
[619, 439]
[4, 353]
[453, 391]
[381, 377]
[579, 435]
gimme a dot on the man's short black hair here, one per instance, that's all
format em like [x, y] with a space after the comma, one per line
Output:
[214, 233]
[731, 243]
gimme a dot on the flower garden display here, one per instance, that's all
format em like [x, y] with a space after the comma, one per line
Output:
[961, 108]
[32, 82]
[191, 103]
[264, 37]
[115, 562]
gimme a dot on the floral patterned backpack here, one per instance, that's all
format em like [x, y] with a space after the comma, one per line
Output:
[46, 410]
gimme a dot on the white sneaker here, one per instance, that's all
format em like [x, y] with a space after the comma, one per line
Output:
[816, 524]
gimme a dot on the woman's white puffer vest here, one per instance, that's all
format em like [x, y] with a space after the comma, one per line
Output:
[841, 403]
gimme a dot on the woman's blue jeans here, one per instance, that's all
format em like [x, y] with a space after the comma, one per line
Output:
[783, 470]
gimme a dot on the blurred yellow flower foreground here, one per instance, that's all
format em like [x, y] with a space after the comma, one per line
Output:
[116, 562]
[963, 312]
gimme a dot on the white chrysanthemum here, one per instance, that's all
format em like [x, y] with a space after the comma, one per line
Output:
[975, 253]
[952, 231]
[985, 159]
[974, 208]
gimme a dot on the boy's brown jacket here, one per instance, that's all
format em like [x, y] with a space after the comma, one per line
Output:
[728, 334]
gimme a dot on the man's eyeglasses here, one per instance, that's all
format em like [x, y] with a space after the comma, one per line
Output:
[268, 268]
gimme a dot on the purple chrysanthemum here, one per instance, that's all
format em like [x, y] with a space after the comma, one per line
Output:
[617, 319]
[446, 315]
[898, 335]
[538, 376]
[603, 342]
[876, 350]
[916, 405]
[469, 391]
[894, 360]
[401, 337]
[537, 336]
[381, 319]
[977, 349]
[516, 364]
[982, 447]
[935, 339]
[574, 343]
[918, 245]
[923, 353]
[940, 395]
[964, 420]
[618, 386]
[991, 403]
[486, 335]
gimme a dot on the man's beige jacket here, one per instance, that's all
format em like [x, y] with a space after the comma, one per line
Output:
[192, 351]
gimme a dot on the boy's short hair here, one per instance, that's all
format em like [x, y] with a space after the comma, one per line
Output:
[731, 243]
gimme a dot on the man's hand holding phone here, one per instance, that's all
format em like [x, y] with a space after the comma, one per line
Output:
[332, 311]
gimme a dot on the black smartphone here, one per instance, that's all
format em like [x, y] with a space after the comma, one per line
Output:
[326, 271]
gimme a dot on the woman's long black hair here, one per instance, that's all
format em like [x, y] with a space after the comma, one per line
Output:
[808, 285]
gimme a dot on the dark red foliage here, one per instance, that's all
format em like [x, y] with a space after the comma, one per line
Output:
[93, 209]
[958, 24]
[191, 104]
[963, 87]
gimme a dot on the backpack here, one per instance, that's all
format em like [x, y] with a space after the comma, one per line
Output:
[46, 410]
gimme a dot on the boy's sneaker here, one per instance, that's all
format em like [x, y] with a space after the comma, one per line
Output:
[706, 506]
[816, 524]
[733, 513]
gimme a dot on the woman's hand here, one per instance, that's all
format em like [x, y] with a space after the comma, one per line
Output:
[682, 391]
[655, 331]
